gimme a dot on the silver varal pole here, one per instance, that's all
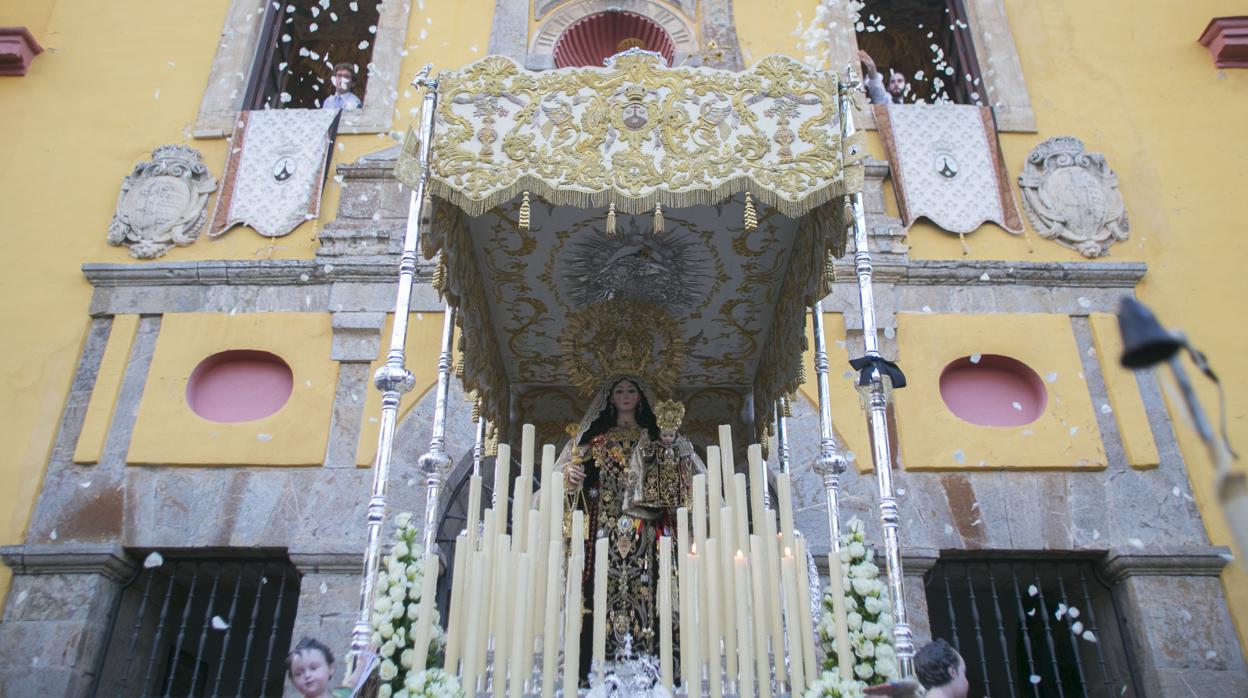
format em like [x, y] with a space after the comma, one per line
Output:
[435, 462]
[832, 457]
[877, 396]
[393, 379]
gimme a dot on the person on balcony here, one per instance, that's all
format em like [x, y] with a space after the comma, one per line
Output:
[343, 80]
[876, 91]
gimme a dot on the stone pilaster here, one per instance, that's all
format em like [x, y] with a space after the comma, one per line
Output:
[58, 615]
[1176, 625]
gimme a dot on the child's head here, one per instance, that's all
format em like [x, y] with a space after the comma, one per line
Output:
[310, 666]
[667, 436]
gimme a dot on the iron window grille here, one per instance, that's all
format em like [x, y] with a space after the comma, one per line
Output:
[1034, 628]
[201, 625]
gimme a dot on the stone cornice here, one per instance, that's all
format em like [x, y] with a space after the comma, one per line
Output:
[328, 563]
[294, 272]
[283, 272]
[1196, 561]
[107, 559]
[1002, 273]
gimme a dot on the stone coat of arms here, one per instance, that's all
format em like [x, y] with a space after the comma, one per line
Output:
[162, 203]
[1071, 196]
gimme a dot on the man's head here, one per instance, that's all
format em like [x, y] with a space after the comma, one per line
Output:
[343, 78]
[896, 85]
[310, 666]
[937, 665]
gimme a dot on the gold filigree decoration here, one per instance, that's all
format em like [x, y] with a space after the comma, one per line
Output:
[637, 133]
[622, 338]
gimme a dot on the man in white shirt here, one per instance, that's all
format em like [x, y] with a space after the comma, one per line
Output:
[876, 92]
[343, 98]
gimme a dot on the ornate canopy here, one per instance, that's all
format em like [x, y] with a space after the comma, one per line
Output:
[704, 144]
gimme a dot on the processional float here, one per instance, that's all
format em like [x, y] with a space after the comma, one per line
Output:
[714, 201]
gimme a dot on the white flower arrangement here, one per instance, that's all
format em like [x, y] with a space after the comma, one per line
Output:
[395, 610]
[866, 605]
[831, 685]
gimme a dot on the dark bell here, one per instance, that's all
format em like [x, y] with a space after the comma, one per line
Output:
[1144, 341]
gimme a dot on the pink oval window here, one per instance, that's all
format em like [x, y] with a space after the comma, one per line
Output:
[993, 390]
[239, 386]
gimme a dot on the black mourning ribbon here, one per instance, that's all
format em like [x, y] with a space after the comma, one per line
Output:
[864, 364]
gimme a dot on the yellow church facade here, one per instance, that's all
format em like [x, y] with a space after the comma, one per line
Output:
[131, 485]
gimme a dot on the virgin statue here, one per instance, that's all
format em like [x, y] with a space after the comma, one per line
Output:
[605, 472]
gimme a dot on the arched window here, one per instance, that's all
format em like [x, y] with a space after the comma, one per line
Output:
[592, 39]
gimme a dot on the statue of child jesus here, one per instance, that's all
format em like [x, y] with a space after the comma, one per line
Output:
[663, 470]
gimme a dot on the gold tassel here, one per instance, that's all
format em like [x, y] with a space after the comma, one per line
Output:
[962, 239]
[459, 368]
[788, 404]
[439, 275]
[611, 219]
[751, 217]
[829, 270]
[524, 212]
[801, 373]
[476, 410]
[658, 219]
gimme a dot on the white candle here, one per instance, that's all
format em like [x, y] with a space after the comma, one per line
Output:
[714, 489]
[572, 627]
[726, 458]
[740, 500]
[792, 623]
[474, 644]
[424, 619]
[489, 545]
[521, 646]
[807, 621]
[784, 492]
[759, 617]
[691, 676]
[728, 597]
[745, 642]
[503, 568]
[557, 504]
[459, 589]
[524, 489]
[699, 509]
[758, 485]
[502, 485]
[711, 575]
[577, 547]
[550, 633]
[682, 548]
[474, 511]
[599, 657]
[775, 589]
[836, 588]
[665, 613]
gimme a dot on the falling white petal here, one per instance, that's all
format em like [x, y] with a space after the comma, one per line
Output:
[218, 623]
[1032, 590]
[153, 559]
[1089, 636]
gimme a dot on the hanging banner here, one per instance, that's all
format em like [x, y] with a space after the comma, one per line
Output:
[946, 166]
[276, 170]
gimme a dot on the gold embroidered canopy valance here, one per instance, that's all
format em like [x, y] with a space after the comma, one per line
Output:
[636, 134]
[726, 278]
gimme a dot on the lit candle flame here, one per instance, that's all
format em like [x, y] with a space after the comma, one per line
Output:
[788, 552]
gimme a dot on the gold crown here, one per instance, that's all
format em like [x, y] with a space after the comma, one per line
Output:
[669, 414]
[619, 338]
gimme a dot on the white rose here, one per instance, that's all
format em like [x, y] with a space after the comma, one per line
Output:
[399, 639]
[857, 550]
[386, 629]
[402, 520]
[384, 691]
[855, 525]
[396, 593]
[851, 603]
[867, 649]
[866, 570]
[387, 649]
[864, 671]
[413, 611]
[405, 660]
[884, 651]
[873, 605]
[402, 694]
[854, 621]
[862, 587]
[382, 605]
[400, 550]
[388, 670]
